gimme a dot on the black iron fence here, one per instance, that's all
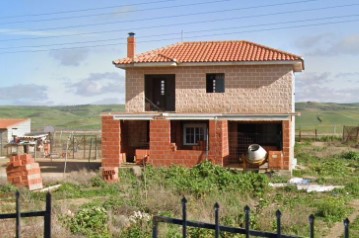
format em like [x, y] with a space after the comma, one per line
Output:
[234, 230]
[18, 215]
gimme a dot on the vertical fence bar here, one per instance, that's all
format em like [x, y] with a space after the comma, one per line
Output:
[279, 225]
[247, 211]
[216, 219]
[311, 226]
[18, 215]
[47, 217]
[346, 228]
[155, 228]
[184, 217]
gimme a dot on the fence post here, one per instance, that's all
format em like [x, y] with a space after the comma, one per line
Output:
[316, 134]
[216, 219]
[184, 217]
[311, 226]
[18, 215]
[247, 211]
[47, 217]
[279, 228]
[155, 228]
[300, 135]
[346, 228]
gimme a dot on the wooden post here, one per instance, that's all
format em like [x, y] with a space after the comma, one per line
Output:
[316, 134]
[91, 139]
[300, 135]
[84, 145]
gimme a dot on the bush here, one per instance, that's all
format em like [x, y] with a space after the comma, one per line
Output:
[333, 209]
[90, 221]
[207, 177]
[350, 155]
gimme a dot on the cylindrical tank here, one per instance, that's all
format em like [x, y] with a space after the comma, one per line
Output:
[256, 154]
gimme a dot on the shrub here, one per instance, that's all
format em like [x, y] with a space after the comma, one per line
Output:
[333, 209]
[89, 221]
[350, 155]
[207, 177]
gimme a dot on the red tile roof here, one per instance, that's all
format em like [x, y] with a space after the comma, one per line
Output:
[6, 123]
[211, 51]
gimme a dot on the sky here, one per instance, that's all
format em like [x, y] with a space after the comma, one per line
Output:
[61, 52]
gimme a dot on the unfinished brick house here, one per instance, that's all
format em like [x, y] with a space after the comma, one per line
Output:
[193, 101]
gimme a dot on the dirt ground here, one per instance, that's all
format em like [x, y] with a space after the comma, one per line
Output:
[55, 168]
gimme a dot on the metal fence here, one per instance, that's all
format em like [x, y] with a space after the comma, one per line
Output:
[18, 215]
[84, 145]
[234, 230]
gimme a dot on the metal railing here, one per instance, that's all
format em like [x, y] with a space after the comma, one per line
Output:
[18, 215]
[234, 230]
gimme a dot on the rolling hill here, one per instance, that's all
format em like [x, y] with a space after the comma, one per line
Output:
[326, 117]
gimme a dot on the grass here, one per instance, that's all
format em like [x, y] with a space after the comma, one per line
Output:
[87, 206]
[79, 117]
[326, 117]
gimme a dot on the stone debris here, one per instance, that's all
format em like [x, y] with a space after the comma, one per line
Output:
[305, 184]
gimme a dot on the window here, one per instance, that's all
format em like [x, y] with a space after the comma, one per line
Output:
[192, 133]
[215, 83]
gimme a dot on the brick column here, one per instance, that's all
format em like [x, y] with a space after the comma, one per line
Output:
[111, 148]
[160, 142]
[218, 141]
[22, 171]
[286, 131]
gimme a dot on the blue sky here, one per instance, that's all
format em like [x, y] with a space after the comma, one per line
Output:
[61, 52]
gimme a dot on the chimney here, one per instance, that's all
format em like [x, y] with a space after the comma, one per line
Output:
[131, 45]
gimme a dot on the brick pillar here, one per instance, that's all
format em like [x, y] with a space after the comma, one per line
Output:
[218, 141]
[286, 131]
[111, 148]
[22, 171]
[160, 142]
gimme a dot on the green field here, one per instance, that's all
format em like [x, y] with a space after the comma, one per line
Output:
[326, 117]
[79, 117]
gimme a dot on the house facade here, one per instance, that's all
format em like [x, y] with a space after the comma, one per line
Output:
[193, 101]
[10, 128]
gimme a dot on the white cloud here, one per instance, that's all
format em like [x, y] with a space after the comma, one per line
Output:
[24, 94]
[70, 57]
[319, 87]
[329, 45]
[99, 84]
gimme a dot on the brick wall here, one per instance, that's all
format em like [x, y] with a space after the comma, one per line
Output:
[248, 89]
[111, 142]
[164, 153]
[287, 151]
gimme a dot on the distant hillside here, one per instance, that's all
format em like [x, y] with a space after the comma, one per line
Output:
[326, 117]
[80, 117]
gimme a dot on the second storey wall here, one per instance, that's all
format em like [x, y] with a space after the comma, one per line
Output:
[248, 89]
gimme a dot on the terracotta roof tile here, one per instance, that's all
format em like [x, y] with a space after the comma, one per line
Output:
[211, 51]
[6, 123]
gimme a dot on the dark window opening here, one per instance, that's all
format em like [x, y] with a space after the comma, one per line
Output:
[215, 83]
[264, 134]
[160, 92]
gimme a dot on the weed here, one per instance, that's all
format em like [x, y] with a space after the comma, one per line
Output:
[90, 221]
[333, 209]
[350, 155]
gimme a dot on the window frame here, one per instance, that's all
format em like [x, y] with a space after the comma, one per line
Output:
[211, 82]
[194, 125]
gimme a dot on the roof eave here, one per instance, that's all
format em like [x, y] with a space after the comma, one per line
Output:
[298, 65]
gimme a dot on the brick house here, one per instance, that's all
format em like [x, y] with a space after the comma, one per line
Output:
[193, 101]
